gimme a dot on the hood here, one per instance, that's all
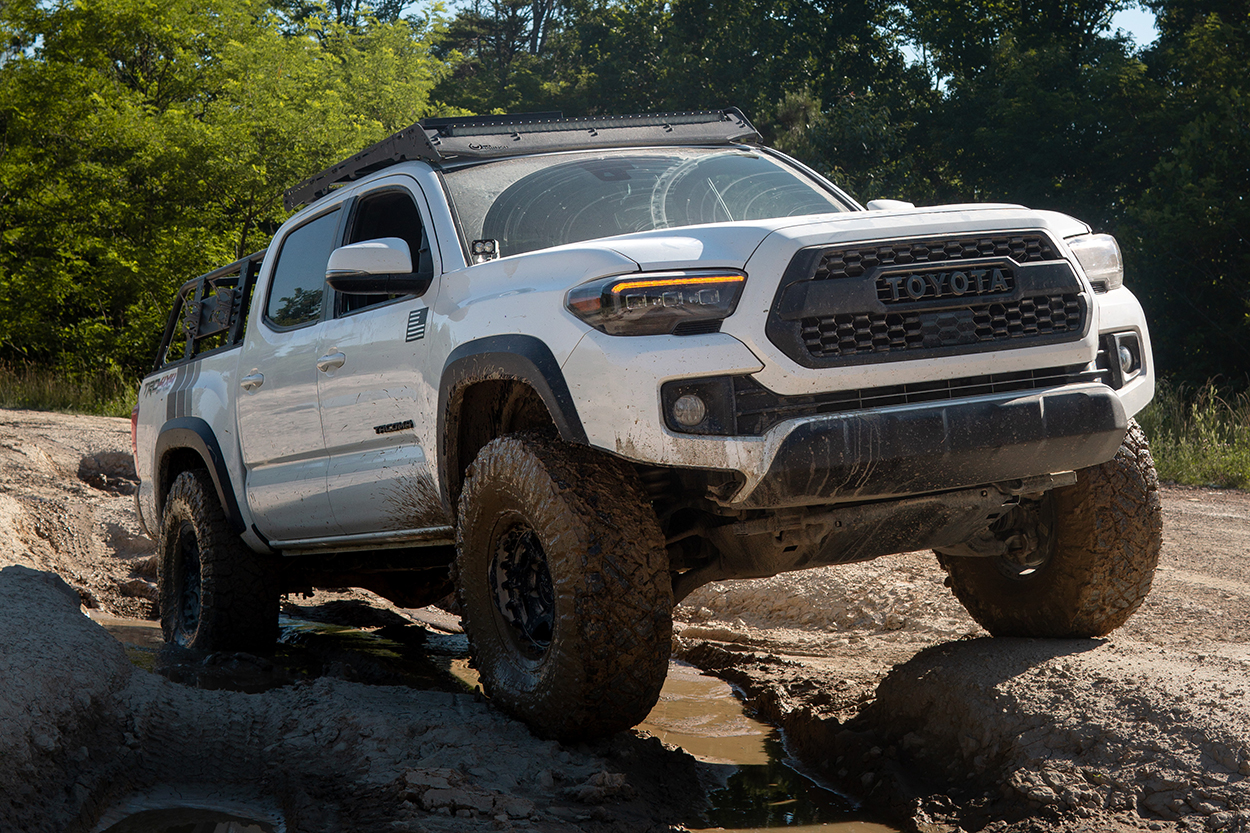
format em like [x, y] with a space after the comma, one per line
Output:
[967, 218]
[731, 245]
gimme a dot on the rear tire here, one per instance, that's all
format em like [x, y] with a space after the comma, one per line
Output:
[563, 584]
[215, 593]
[1105, 532]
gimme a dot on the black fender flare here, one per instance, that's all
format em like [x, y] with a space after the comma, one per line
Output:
[196, 435]
[516, 357]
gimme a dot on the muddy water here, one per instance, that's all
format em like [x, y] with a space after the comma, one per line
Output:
[761, 790]
[188, 821]
[758, 787]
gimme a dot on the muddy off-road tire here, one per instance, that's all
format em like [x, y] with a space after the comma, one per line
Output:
[1099, 562]
[564, 587]
[215, 593]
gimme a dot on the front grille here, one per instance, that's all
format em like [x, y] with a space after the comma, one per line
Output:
[849, 334]
[854, 262]
[912, 299]
[757, 408]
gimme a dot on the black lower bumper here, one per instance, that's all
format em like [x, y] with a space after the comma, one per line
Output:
[908, 451]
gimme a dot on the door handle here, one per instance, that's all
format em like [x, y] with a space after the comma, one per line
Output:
[331, 361]
[252, 381]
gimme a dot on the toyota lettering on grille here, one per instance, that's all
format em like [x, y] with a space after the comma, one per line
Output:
[919, 286]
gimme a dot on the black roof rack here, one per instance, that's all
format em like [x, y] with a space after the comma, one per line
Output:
[486, 137]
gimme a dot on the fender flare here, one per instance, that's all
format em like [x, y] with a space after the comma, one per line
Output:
[196, 435]
[516, 357]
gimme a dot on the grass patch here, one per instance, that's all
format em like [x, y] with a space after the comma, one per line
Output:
[104, 393]
[1199, 438]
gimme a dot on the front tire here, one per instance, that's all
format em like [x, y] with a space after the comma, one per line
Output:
[564, 587]
[215, 593]
[1105, 532]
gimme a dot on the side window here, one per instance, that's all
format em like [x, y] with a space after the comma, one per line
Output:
[299, 276]
[390, 213]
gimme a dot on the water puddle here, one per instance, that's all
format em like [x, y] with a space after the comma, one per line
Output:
[166, 810]
[760, 787]
[407, 655]
[187, 821]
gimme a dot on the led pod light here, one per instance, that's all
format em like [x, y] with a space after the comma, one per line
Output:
[656, 303]
[1099, 256]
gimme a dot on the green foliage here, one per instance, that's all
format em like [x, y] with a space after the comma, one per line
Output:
[1199, 438]
[858, 143]
[505, 54]
[1052, 126]
[1189, 229]
[144, 142]
[353, 13]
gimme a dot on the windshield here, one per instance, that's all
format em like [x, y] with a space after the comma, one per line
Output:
[537, 202]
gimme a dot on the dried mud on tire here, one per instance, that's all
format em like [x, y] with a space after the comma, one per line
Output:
[1108, 529]
[202, 564]
[611, 594]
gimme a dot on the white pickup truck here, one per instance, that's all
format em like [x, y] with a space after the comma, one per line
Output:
[576, 368]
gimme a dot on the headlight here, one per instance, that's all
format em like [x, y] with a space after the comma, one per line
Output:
[1099, 256]
[658, 303]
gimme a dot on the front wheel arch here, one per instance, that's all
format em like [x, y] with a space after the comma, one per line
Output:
[509, 362]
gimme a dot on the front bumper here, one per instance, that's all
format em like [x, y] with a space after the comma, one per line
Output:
[872, 454]
[888, 453]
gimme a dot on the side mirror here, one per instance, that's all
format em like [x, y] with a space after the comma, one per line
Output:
[376, 267]
[889, 205]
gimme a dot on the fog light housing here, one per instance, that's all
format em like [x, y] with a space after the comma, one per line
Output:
[689, 410]
[1121, 355]
[1126, 359]
[699, 406]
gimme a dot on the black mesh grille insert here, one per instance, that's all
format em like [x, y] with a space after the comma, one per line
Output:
[850, 334]
[757, 408]
[854, 262]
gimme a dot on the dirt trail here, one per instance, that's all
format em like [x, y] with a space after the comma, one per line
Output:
[883, 684]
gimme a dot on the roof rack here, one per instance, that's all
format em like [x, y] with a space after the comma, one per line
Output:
[487, 137]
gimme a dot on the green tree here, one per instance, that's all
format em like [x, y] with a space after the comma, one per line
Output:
[504, 54]
[1055, 126]
[352, 13]
[145, 141]
[1190, 244]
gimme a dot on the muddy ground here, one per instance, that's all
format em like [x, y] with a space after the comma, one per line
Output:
[885, 688]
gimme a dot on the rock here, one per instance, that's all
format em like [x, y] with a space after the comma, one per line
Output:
[426, 779]
[140, 589]
[515, 808]
[458, 799]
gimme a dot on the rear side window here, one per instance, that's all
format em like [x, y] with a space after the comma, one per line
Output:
[299, 276]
